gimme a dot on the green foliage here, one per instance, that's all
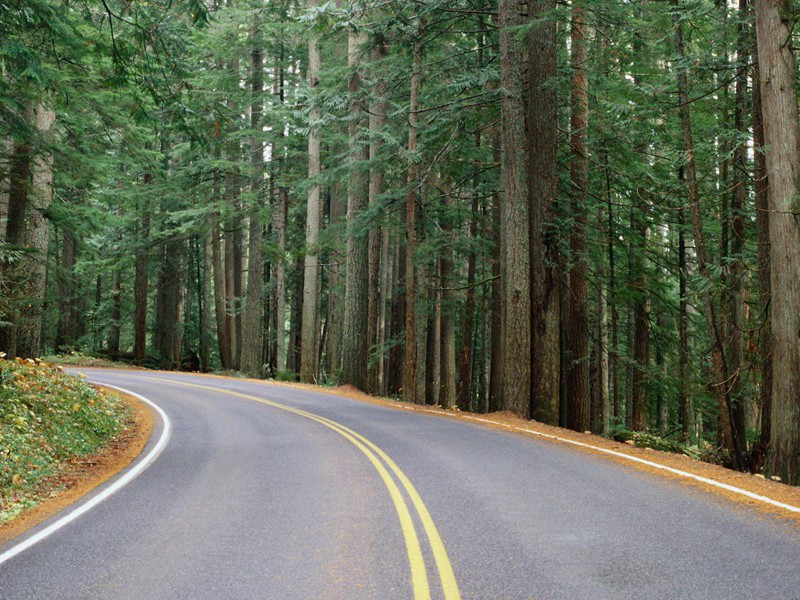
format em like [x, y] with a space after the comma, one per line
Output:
[47, 418]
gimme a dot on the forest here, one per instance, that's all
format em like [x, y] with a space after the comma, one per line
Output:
[581, 212]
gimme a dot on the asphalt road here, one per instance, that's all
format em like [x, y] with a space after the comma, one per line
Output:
[294, 498]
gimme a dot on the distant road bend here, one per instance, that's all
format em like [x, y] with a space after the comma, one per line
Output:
[263, 491]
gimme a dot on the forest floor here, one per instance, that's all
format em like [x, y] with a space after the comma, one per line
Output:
[92, 435]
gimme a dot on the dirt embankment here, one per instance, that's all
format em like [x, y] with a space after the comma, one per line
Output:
[81, 475]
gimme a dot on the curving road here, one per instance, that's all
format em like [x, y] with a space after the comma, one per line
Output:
[270, 492]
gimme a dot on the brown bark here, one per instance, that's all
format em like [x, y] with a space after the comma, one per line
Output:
[464, 395]
[251, 358]
[37, 239]
[774, 21]
[355, 349]
[377, 120]
[447, 395]
[515, 226]
[410, 354]
[311, 287]
[578, 409]
[542, 182]
[496, 358]
[140, 278]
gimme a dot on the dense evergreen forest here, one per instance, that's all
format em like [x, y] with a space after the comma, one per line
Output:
[581, 212]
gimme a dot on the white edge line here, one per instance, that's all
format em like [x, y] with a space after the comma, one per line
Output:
[706, 480]
[129, 476]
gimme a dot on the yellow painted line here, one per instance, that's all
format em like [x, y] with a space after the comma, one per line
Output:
[446, 575]
[419, 577]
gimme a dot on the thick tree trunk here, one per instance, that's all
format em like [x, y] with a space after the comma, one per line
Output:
[578, 409]
[37, 239]
[774, 22]
[377, 120]
[355, 348]
[515, 244]
[16, 218]
[542, 181]
[410, 353]
[251, 358]
[311, 286]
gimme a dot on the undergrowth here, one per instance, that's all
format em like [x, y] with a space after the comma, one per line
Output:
[47, 418]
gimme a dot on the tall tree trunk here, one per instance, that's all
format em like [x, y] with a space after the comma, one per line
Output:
[311, 286]
[578, 410]
[774, 22]
[116, 314]
[496, 358]
[37, 239]
[377, 120]
[447, 396]
[719, 368]
[170, 300]
[601, 409]
[140, 278]
[279, 219]
[515, 244]
[641, 323]
[16, 219]
[684, 397]
[204, 278]
[220, 309]
[337, 212]
[355, 347]
[66, 330]
[410, 355]
[251, 357]
[736, 271]
[542, 183]
[467, 344]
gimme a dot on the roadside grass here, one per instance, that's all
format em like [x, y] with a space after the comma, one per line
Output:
[47, 419]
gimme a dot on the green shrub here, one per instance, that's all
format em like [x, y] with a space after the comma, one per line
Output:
[47, 417]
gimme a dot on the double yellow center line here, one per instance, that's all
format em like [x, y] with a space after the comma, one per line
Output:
[419, 576]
